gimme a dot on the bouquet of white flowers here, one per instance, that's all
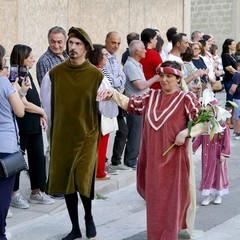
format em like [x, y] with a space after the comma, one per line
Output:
[212, 113]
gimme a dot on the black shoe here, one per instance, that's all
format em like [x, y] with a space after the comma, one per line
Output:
[90, 228]
[72, 236]
[134, 167]
[57, 196]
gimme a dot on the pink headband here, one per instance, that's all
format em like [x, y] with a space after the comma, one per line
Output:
[169, 70]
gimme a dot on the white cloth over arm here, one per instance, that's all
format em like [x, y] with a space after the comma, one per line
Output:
[45, 94]
[107, 108]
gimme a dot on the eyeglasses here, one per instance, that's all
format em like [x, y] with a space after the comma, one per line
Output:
[4, 68]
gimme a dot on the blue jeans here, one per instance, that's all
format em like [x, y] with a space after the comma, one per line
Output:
[134, 123]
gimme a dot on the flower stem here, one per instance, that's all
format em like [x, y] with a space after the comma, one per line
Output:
[168, 149]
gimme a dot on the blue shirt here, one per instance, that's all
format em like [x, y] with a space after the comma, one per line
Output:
[199, 63]
[236, 80]
[8, 135]
[125, 56]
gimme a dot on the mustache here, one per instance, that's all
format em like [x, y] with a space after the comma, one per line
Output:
[72, 51]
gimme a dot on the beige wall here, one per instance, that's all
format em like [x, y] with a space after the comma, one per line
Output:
[28, 21]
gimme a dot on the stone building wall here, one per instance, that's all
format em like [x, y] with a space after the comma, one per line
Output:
[217, 17]
[28, 21]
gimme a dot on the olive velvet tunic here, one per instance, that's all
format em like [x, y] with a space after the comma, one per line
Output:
[74, 128]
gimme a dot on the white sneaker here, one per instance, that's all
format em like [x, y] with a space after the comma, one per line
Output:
[41, 198]
[9, 214]
[18, 201]
[8, 235]
[206, 200]
[120, 167]
[110, 170]
[218, 200]
[237, 136]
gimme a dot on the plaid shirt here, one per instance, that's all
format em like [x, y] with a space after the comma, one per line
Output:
[46, 62]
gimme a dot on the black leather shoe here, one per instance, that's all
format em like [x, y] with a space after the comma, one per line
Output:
[57, 196]
[90, 229]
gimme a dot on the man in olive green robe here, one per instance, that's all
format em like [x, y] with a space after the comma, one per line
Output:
[75, 130]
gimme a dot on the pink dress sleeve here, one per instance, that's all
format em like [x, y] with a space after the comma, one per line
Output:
[192, 106]
[137, 104]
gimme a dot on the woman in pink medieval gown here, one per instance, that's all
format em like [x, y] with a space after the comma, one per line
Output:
[163, 181]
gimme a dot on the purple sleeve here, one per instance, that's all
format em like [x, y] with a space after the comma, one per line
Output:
[236, 78]
[6, 87]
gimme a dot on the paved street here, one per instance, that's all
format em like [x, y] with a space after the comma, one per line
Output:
[120, 214]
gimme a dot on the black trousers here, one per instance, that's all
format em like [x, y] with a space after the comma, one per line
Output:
[120, 138]
[33, 144]
[6, 188]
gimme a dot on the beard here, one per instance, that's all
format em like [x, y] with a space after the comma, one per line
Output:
[72, 54]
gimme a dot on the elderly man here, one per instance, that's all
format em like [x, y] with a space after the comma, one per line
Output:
[196, 36]
[118, 78]
[75, 130]
[136, 84]
[55, 53]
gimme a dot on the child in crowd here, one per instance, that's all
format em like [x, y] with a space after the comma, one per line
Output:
[217, 59]
[214, 182]
[235, 91]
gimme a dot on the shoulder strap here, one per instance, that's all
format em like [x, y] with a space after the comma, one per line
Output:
[14, 121]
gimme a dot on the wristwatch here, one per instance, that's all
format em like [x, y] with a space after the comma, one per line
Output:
[22, 94]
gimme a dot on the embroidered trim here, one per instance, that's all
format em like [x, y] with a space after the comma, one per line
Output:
[169, 70]
[153, 122]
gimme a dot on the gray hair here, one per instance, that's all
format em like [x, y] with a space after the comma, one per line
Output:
[135, 45]
[57, 29]
[195, 34]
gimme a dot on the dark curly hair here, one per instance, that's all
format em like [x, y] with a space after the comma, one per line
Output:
[95, 56]
[225, 46]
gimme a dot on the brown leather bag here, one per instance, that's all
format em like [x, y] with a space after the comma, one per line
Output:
[217, 86]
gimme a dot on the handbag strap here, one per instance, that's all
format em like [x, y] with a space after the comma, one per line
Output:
[14, 121]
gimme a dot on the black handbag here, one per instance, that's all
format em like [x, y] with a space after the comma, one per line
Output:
[14, 162]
